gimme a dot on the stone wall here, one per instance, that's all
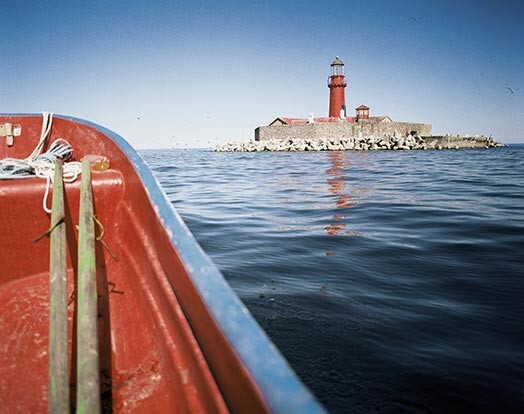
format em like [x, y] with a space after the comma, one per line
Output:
[370, 143]
[340, 130]
[453, 142]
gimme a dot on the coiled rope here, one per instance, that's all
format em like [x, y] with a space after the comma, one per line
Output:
[43, 165]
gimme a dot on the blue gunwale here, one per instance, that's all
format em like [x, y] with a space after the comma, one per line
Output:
[278, 383]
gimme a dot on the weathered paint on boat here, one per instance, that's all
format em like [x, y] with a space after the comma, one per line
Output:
[173, 335]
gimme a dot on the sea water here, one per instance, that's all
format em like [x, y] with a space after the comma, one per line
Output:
[392, 281]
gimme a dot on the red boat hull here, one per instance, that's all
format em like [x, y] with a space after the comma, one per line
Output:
[173, 337]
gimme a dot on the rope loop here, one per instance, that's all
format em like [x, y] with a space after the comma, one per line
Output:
[43, 165]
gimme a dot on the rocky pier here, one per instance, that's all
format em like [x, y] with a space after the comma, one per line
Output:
[371, 143]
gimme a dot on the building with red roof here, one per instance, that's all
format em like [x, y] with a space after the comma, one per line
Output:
[338, 124]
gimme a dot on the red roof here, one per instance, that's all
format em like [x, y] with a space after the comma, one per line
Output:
[335, 119]
[362, 107]
[304, 121]
[378, 118]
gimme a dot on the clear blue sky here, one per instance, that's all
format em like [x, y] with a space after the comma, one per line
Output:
[211, 71]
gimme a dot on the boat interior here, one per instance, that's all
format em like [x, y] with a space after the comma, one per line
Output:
[160, 348]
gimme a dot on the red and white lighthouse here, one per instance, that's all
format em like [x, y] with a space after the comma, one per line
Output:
[337, 86]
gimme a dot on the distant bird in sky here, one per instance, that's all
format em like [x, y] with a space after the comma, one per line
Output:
[511, 90]
[138, 118]
[415, 19]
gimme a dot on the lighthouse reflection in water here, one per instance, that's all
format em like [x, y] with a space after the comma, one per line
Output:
[337, 186]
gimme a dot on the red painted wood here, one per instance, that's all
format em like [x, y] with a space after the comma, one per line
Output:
[161, 350]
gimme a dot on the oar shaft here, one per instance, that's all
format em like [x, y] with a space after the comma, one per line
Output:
[58, 395]
[88, 381]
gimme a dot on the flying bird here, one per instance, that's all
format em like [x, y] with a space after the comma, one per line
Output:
[415, 18]
[511, 90]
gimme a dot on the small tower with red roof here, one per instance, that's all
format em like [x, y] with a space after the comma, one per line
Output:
[362, 112]
[337, 86]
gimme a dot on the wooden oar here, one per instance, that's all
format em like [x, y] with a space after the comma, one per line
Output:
[88, 381]
[58, 395]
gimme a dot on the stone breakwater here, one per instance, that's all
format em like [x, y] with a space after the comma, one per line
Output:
[371, 143]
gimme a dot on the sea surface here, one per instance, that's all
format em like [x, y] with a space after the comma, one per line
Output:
[392, 281]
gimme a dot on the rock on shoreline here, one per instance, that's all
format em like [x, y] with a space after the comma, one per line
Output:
[371, 143]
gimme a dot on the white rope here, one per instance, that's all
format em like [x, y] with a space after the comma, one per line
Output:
[43, 165]
[47, 122]
[71, 171]
[46, 193]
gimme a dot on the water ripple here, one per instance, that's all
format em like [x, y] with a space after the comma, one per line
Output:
[391, 281]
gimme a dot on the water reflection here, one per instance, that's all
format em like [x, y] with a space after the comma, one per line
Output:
[337, 184]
